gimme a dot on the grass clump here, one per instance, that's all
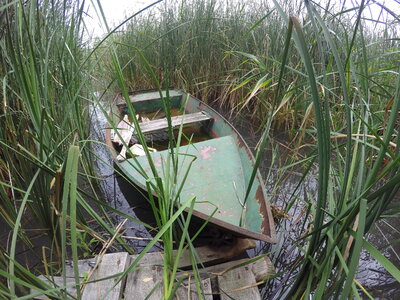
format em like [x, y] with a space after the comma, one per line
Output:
[329, 78]
[230, 55]
[44, 134]
[335, 87]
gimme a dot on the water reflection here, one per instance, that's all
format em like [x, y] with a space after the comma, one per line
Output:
[113, 187]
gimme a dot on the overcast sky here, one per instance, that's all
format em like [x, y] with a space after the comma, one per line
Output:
[115, 12]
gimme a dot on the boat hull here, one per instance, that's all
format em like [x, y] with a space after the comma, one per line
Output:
[219, 170]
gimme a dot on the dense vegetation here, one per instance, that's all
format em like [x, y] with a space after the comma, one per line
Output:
[330, 80]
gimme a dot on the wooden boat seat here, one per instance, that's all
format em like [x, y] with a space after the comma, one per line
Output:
[148, 96]
[162, 124]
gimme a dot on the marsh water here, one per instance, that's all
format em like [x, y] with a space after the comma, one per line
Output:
[374, 278]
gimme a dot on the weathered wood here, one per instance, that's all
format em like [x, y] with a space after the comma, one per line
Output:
[56, 281]
[206, 254]
[162, 124]
[126, 131]
[190, 292]
[261, 269]
[239, 284]
[111, 264]
[142, 282]
[235, 278]
[149, 96]
[123, 128]
[147, 283]
[85, 266]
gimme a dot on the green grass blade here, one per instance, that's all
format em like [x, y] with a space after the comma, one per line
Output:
[72, 167]
[386, 263]
[355, 256]
[16, 230]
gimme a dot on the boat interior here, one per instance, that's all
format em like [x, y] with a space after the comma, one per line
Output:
[150, 112]
[219, 161]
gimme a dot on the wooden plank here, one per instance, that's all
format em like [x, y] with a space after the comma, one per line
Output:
[261, 269]
[85, 266]
[206, 254]
[211, 255]
[238, 284]
[110, 264]
[147, 283]
[126, 131]
[190, 292]
[56, 282]
[162, 124]
[148, 96]
[140, 283]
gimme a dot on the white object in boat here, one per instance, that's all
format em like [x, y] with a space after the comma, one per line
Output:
[137, 150]
[125, 129]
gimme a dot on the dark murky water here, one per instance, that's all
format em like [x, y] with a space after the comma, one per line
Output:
[371, 274]
[116, 191]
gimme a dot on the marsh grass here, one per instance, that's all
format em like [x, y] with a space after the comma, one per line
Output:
[163, 189]
[354, 191]
[337, 76]
[46, 152]
[340, 79]
[230, 55]
[44, 141]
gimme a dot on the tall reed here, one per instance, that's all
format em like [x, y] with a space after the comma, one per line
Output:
[338, 91]
[341, 91]
[358, 173]
[229, 54]
[163, 187]
[44, 112]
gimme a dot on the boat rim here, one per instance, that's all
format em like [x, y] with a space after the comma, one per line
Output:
[233, 228]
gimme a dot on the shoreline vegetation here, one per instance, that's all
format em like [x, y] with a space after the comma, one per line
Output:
[325, 75]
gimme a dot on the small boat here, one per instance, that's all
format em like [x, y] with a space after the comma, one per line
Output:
[219, 176]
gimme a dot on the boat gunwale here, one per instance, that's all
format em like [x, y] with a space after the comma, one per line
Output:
[271, 238]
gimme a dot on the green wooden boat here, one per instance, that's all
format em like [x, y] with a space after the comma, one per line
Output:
[220, 174]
